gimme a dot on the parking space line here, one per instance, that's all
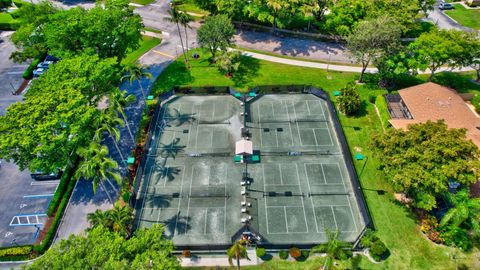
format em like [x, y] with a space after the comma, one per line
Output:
[45, 183]
[38, 196]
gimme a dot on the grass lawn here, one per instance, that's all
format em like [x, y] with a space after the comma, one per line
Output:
[146, 44]
[466, 17]
[190, 6]
[154, 30]
[5, 17]
[395, 224]
[142, 2]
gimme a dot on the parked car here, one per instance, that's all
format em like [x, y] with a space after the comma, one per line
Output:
[446, 6]
[52, 58]
[41, 176]
[45, 64]
[39, 71]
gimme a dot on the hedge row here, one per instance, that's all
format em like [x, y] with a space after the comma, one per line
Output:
[62, 187]
[43, 246]
[12, 25]
[15, 251]
[382, 106]
[28, 73]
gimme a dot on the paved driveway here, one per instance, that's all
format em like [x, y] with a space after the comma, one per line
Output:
[443, 21]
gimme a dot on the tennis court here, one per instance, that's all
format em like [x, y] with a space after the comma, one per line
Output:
[299, 188]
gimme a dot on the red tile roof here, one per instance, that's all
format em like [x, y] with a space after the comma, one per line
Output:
[430, 101]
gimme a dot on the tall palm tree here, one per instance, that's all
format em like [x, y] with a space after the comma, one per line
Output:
[237, 251]
[121, 218]
[96, 165]
[136, 72]
[184, 20]
[334, 249]
[117, 101]
[465, 212]
[99, 217]
[109, 122]
[175, 17]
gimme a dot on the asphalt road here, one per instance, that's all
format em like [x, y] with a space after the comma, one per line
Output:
[443, 21]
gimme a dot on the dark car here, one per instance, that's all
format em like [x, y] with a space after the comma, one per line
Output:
[40, 176]
[445, 6]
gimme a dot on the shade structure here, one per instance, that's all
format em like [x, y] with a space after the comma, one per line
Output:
[243, 147]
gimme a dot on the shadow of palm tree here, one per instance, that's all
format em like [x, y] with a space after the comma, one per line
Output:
[176, 118]
[172, 149]
[176, 224]
[247, 70]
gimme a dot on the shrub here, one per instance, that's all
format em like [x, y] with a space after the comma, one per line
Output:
[305, 254]
[45, 243]
[377, 250]
[349, 101]
[260, 252]
[368, 238]
[15, 251]
[186, 253]
[62, 186]
[476, 102]
[429, 225]
[28, 73]
[295, 252]
[456, 236]
[283, 254]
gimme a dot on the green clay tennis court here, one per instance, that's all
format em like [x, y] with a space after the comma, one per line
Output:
[297, 187]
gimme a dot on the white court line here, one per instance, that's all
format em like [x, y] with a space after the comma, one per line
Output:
[315, 137]
[213, 112]
[286, 220]
[225, 203]
[180, 201]
[188, 204]
[159, 213]
[206, 217]
[323, 173]
[330, 136]
[334, 219]
[265, 198]
[281, 176]
[211, 138]
[291, 132]
[308, 107]
[303, 204]
[351, 212]
[276, 136]
[286, 109]
[311, 198]
[298, 128]
[323, 111]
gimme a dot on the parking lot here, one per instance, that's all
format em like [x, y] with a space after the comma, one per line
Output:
[24, 201]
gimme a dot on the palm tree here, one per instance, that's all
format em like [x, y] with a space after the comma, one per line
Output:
[334, 249]
[465, 212]
[117, 101]
[184, 20]
[96, 165]
[99, 217]
[121, 218]
[175, 17]
[109, 123]
[237, 251]
[136, 72]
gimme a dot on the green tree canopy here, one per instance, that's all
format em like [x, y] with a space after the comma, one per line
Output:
[371, 39]
[435, 49]
[92, 76]
[422, 160]
[43, 131]
[228, 62]
[470, 56]
[103, 249]
[109, 30]
[216, 33]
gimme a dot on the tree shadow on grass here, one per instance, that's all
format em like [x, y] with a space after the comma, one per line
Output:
[458, 81]
[247, 71]
[175, 74]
